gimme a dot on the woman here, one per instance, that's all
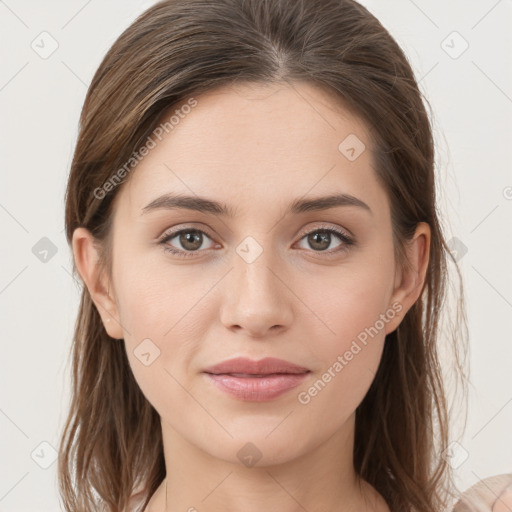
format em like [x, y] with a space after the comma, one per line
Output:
[252, 211]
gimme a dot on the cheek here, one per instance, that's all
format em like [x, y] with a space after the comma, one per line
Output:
[351, 307]
[154, 298]
[151, 320]
[351, 352]
[157, 306]
[354, 311]
[350, 358]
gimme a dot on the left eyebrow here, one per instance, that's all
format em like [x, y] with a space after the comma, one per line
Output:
[202, 204]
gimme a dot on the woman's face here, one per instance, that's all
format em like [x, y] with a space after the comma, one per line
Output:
[262, 279]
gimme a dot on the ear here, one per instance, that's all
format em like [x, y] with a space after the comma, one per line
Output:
[100, 289]
[409, 281]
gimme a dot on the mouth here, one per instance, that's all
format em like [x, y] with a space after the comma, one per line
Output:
[255, 387]
[256, 381]
[255, 375]
[244, 367]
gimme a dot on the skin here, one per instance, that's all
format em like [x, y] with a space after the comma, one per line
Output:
[256, 148]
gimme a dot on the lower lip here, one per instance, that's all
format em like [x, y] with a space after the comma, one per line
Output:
[257, 389]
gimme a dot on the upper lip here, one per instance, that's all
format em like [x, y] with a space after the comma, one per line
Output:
[266, 366]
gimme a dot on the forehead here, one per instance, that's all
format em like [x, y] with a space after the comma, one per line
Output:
[246, 142]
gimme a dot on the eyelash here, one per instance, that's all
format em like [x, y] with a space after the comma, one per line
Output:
[347, 241]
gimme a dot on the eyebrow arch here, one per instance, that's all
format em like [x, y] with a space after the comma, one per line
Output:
[201, 204]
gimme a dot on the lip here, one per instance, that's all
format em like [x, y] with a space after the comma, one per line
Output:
[256, 381]
[265, 366]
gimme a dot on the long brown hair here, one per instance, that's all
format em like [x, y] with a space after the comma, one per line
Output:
[112, 443]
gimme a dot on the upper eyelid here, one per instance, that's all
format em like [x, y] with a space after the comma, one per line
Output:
[172, 232]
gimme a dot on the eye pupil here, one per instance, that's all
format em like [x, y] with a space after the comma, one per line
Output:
[322, 238]
[191, 237]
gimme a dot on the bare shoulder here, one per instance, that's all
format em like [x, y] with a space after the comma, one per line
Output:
[492, 494]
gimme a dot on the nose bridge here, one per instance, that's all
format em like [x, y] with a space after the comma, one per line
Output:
[257, 299]
[255, 284]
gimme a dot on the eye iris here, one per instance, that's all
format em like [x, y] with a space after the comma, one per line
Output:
[194, 238]
[323, 238]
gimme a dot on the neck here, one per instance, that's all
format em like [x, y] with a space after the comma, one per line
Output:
[321, 478]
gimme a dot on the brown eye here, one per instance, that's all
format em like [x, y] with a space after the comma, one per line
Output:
[320, 239]
[188, 241]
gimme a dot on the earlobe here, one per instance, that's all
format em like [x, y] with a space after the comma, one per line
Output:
[86, 259]
[409, 282]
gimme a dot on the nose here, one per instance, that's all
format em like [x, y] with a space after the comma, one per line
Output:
[257, 299]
